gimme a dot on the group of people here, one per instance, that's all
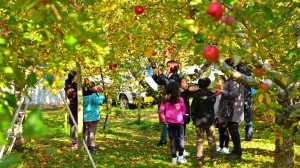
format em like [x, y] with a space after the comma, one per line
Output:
[92, 99]
[206, 112]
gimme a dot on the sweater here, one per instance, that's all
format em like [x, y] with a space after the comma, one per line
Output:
[91, 107]
[172, 113]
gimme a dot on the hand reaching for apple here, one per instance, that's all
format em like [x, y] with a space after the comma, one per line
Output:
[218, 91]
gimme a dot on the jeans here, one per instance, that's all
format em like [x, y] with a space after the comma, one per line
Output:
[235, 136]
[164, 131]
[223, 135]
[73, 134]
[176, 135]
[90, 133]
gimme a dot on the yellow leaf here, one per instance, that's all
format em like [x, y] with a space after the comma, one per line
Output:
[260, 98]
[147, 54]
[284, 81]
[268, 99]
[271, 112]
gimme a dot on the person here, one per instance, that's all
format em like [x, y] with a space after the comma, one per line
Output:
[249, 132]
[185, 94]
[222, 128]
[203, 116]
[164, 79]
[91, 115]
[233, 92]
[172, 111]
[71, 92]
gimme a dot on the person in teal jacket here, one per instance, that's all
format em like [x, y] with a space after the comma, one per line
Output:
[91, 114]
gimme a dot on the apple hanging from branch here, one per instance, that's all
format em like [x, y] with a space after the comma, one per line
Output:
[215, 10]
[258, 72]
[211, 54]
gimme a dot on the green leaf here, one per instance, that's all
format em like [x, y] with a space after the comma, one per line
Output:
[49, 78]
[199, 48]
[31, 79]
[229, 2]
[34, 124]
[101, 60]
[268, 13]
[70, 40]
[8, 70]
[11, 160]
[2, 40]
[195, 2]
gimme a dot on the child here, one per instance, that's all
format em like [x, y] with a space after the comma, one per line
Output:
[91, 114]
[222, 127]
[164, 79]
[71, 91]
[172, 111]
[203, 116]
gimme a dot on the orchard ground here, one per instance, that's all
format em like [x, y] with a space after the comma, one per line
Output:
[125, 143]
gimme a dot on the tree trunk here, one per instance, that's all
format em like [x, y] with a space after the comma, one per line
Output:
[284, 153]
[80, 114]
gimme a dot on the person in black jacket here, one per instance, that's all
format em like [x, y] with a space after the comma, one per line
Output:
[164, 79]
[203, 116]
[71, 91]
[246, 69]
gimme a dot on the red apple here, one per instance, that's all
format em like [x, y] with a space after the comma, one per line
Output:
[263, 86]
[154, 53]
[211, 54]
[196, 70]
[227, 20]
[166, 55]
[128, 37]
[115, 65]
[258, 72]
[188, 17]
[170, 49]
[5, 33]
[139, 9]
[110, 67]
[215, 10]
[161, 21]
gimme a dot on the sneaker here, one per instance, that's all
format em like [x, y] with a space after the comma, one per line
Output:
[219, 149]
[186, 153]
[74, 145]
[93, 148]
[248, 139]
[225, 150]
[181, 159]
[161, 143]
[174, 160]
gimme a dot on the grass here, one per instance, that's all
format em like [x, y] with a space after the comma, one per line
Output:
[127, 143]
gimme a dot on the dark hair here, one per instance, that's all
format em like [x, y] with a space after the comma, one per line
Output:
[222, 77]
[172, 93]
[174, 66]
[180, 80]
[204, 83]
[87, 84]
[71, 77]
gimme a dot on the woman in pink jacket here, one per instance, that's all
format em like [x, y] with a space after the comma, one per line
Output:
[172, 110]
